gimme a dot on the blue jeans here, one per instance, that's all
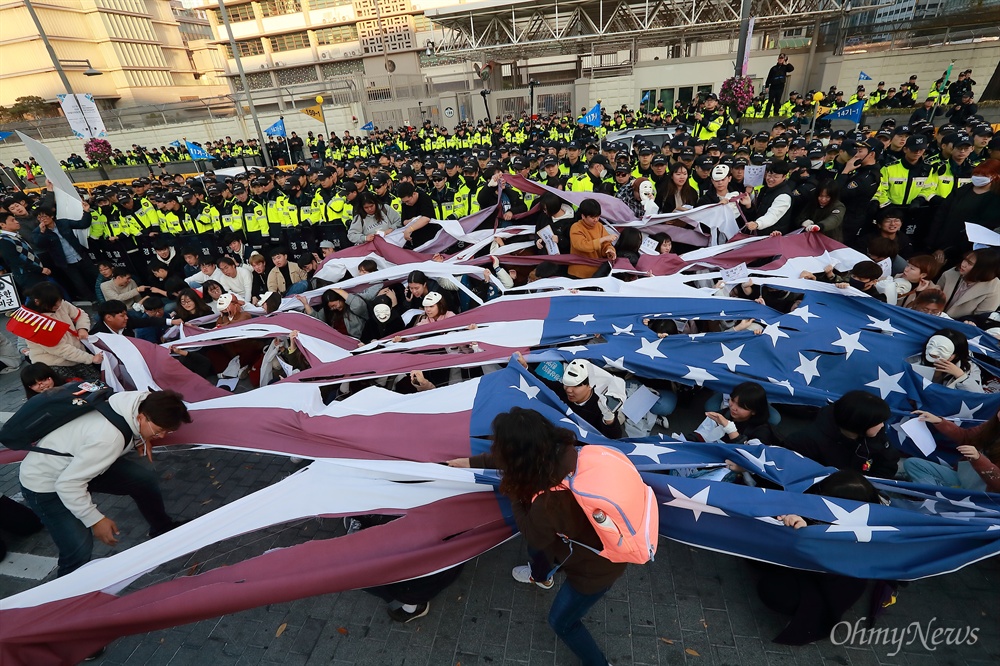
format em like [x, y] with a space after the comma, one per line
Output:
[665, 404]
[299, 287]
[74, 540]
[932, 474]
[566, 619]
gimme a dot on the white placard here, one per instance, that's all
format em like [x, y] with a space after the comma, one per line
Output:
[69, 206]
[738, 274]
[753, 175]
[83, 116]
[649, 246]
[918, 431]
[9, 299]
[886, 266]
[980, 235]
[639, 403]
[548, 238]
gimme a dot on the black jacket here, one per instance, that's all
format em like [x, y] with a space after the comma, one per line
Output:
[48, 241]
[827, 445]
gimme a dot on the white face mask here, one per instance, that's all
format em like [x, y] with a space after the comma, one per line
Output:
[825, 142]
[646, 191]
[981, 181]
[938, 347]
[603, 174]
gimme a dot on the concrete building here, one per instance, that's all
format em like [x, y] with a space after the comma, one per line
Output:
[149, 51]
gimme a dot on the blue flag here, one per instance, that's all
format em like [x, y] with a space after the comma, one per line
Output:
[593, 117]
[277, 129]
[196, 152]
[4, 135]
[850, 112]
[175, 143]
[368, 126]
[864, 77]
[645, 98]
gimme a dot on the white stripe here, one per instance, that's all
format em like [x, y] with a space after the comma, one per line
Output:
[324, 487]
[371, 401]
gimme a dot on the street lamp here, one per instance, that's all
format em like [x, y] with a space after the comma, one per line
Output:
[484, 92]
[531, 94]
[90, 71]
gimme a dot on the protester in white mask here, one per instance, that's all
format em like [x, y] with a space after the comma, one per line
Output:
[946, 361]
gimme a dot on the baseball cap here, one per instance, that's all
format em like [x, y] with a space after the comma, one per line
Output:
[327, 244]
[660, 160]
[916, 142]
[519, 163]
[704, 162]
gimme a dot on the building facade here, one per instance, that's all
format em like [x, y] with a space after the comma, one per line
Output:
[148, 51]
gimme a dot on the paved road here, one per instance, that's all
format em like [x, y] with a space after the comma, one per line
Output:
[690, 606]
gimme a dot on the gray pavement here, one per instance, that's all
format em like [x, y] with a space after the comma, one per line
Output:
[689, 606]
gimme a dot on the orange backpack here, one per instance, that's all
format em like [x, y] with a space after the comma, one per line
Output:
[620, 506]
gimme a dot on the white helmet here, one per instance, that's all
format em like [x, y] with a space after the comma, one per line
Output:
[577, 372]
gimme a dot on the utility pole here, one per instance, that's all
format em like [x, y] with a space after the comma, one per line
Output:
[744, 30]
[246, 86]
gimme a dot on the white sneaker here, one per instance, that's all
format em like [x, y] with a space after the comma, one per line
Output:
[663, 421]
[522, 574]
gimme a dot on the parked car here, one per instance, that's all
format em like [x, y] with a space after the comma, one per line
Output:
[655, 135]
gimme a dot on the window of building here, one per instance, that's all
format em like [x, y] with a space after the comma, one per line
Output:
[247, 48]
[649, 96]
[237, 13]
[685, 94]
[337, 35]
[326, 4]
[280, 7]
[667, 97]
[704, 89]
[422, 24]
[291, 42]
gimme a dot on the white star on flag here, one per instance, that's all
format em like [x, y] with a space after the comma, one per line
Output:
[774, 332]
[974, 342]
[887, 384]
[883, 325]
[650, 349]
[526, 388]
[618, 363]
[851, 342]
[574, 350]
[622, 331]
[965, 414]
[803, 313]
[784, 382]
[854, 521]
[651, 451]
[761, 461]
[731, 358]
[583, 319]
[808, 368]
[697, 503]
[699, 375]
[967, 503]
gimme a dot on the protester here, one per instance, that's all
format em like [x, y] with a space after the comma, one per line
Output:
[67, 356]
[59, 488]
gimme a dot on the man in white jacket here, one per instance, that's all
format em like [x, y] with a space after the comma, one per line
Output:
[236, 279]
[58, 488]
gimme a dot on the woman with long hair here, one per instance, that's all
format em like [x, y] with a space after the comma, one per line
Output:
[947, 352]
[973, 287]
[677, 192]
[824, 210]
[191, 306]
[533, 457]
[372, 217]
[980, 446]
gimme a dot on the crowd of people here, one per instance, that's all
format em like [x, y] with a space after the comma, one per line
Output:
[217, 251]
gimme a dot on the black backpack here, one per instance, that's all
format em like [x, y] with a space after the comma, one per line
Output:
[56, 407]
